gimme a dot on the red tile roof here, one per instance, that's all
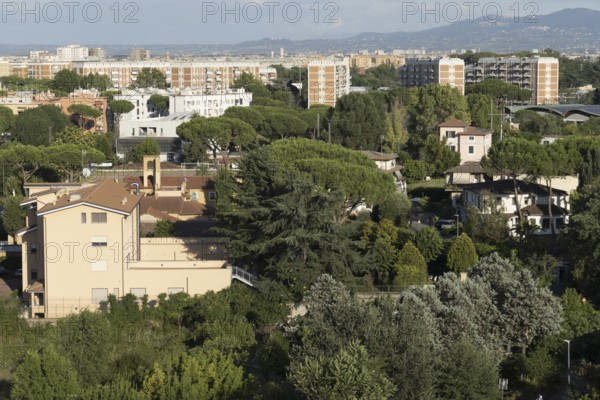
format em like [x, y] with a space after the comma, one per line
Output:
[107, 194]
[453, 123]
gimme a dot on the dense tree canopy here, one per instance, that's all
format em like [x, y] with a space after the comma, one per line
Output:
[499, 91]
[431, 105]
[36, 125]
[65, 81]
[147, 147]
[151, 78]
[358, 122]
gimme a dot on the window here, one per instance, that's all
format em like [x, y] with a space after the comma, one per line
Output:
[173, 290]
[195, 196]
[83, 218]
[212, 196]
[99, 241]
[98, 218]
[99, 295]
[453, 148]
[450, 134]
[34, 274]
[99, 266]
[559, 223]
[138, 292]
[471, 149]
[545, 223]
[471, 138]
[33, 248]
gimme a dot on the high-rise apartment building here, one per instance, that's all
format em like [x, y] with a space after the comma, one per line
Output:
[442, 71]
[4, 68]
[138, 54]
[538, 74]
[328, 80]
[72, 52]
[98, 52]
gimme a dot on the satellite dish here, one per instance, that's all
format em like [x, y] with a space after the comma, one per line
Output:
[86, 172]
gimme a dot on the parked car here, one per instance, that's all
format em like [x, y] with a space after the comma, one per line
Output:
[19, 272]
[445, 224]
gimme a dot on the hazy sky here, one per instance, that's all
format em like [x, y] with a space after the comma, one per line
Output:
[214, 22]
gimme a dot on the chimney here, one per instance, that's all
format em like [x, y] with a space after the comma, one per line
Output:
[124, 201]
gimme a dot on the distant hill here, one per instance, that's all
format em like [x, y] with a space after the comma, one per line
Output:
[566, 30]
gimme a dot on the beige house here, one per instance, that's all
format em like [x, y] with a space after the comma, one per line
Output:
[472, 143]
[82, 242]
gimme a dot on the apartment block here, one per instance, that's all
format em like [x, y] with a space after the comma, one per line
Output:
[39, 55]
[72, 53]
[538, 74]
[209, 76]
[138, 54]
[46, 69]
[362, 62]
[186, 100]
[442, 71]
[328, 80]
[4, 68]
[98, 52]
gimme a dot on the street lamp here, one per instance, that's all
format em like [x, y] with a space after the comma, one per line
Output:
[568, 361]
[456, 215]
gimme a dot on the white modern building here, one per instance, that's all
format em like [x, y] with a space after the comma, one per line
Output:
[72, 52]
[183, 101]
[163, 130]
[209, 105]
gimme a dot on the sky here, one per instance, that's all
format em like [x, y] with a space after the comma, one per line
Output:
[225, 22]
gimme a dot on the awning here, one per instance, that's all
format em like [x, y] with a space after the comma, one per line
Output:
[36, 287]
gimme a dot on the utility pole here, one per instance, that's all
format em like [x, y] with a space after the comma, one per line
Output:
[318, 125]
[491, 115]
[568, 361]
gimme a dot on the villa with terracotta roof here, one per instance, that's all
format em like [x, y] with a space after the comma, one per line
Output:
[472, 143]
[84, 241]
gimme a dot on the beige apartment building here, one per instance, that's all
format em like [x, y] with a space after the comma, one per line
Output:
[138, 54]
[4, 68]
[442, 71]
[470, 142]
[211, 76]
[37, 69]
[538, 74]
[328, 80]
[83, 242]
[362, 62]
